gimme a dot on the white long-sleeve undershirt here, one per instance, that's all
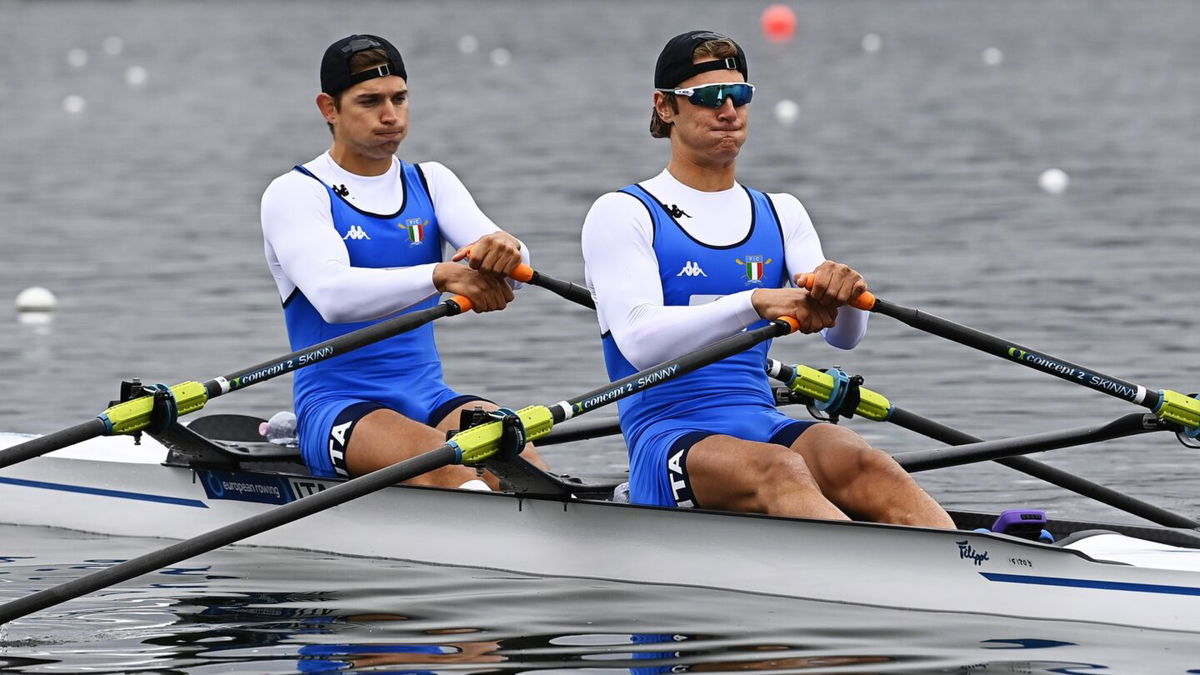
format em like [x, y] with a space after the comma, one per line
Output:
[622, 270]
[305, 251]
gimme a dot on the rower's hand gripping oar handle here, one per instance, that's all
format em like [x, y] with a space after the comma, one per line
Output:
[527, 275]
[865, 301]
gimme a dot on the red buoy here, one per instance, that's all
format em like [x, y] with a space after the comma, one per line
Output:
[779, 23]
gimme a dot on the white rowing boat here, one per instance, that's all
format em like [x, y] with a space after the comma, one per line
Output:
[184, 484]
[210, 494]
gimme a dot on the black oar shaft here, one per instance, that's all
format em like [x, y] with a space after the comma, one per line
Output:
[51, 442]
[1052, 475]
[996, 346]
[967, 452]
[330, 348]
[573, 292]
[229, 534]
[106, 425]
[580, 431]
[669, 369]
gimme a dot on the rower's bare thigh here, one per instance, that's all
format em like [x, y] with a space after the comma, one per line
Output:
[733, 474]
[836, 456]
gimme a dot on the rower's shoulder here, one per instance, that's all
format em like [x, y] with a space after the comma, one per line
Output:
[440, 179]
[291, 186]
[784, 199]
[617, 204]
[789, 209]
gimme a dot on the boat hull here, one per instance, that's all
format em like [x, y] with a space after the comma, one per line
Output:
[124, 490]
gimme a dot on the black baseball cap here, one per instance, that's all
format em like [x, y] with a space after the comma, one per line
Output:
[335, 65]
[675, 62]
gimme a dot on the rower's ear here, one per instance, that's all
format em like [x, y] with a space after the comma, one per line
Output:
[664, 107]
[328, 107]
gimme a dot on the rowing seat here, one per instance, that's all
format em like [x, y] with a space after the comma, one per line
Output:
[239, 446]
[228, 441]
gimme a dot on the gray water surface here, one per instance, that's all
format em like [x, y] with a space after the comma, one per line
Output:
[918, 164]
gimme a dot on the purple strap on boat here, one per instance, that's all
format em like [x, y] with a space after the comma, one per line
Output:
[1020, 522]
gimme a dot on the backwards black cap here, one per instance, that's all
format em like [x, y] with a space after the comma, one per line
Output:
[335, 65]
[675, 62]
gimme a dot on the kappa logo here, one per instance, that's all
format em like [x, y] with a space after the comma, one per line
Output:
[691, 269]
[356, 232]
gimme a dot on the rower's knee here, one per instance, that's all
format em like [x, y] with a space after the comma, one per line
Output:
[877, 463]
[779, 477]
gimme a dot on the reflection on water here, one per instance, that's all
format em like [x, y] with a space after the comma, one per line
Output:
[225, 612]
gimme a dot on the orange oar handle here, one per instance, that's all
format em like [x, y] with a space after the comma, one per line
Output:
[464, 303]
[791, 321]
[522, 273]
[866, 300]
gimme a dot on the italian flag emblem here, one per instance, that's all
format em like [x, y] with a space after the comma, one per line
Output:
[416, 230]
[755, 266]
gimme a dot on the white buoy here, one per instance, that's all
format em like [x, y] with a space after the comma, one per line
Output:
[1054, 181]
[871, 43]
[113, 45]
[786, 111]
[468, 44]
[74, 104]
[77, 58]
[135, 76]
[501, 56]
[36, 299]
[992, 56]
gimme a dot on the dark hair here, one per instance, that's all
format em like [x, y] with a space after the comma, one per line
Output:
[717, 49]
[364, 60]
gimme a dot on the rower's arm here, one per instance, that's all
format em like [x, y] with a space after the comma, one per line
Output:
[305, 251]
[460, 219]
[803, 252]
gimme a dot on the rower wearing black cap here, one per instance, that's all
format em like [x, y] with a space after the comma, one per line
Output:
[355, 236]
[689, 257]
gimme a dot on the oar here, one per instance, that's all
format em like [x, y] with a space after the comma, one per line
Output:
[924, 426]
[136, 414]
[470, 446]
[973, 451]
[526, 274]
[573, 292]
[824, 387]
[1166, 404]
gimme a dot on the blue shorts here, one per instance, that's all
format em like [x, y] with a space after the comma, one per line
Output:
[325, 428]
[658, 460]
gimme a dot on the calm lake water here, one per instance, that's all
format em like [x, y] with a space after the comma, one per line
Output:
[137, 138]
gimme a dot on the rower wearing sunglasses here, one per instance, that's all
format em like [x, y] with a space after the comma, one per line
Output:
[691, 256]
